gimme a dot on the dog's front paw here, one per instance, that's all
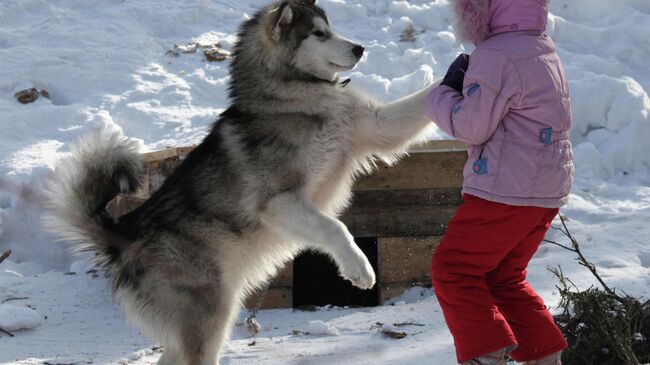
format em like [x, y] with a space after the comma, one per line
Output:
[358, 271]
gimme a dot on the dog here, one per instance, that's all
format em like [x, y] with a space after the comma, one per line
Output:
[266, 183]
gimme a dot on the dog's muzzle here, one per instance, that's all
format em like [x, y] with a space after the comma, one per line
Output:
[358, 51]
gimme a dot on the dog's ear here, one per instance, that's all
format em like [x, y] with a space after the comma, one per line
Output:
[284, 17]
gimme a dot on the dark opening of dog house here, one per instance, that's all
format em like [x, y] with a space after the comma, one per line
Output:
[316, 281]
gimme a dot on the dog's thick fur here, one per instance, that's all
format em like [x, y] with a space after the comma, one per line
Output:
[266, 183]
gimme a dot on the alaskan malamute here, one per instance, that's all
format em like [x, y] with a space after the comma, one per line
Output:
[267, 182]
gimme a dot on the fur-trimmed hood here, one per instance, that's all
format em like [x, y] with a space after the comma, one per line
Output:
[478, 20]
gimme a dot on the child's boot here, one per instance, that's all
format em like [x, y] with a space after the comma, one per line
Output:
[553, 359]
[493, 358]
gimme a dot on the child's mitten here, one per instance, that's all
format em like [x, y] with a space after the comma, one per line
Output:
[456, 73]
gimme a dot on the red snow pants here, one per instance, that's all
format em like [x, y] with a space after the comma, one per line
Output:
[479, 276]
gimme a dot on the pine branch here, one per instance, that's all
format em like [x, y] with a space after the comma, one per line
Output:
[595, 319]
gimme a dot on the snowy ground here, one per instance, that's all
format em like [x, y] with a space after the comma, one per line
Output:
[105, 63]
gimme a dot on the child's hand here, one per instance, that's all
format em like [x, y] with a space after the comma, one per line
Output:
[456, 73]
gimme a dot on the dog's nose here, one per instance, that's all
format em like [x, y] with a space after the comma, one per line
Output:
[358, 51]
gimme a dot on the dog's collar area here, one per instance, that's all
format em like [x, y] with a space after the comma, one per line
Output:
[336, 81]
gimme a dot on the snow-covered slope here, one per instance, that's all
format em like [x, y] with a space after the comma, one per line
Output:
[105, 63]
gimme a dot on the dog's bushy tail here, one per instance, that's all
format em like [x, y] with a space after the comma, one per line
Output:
[102, 164]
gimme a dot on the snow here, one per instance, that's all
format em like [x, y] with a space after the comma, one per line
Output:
[319, 327]
[15, 318]
[106, 64]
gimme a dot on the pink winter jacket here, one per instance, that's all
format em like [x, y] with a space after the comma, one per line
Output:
[514, 112]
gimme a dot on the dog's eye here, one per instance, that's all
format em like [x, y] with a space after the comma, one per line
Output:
[318, 33]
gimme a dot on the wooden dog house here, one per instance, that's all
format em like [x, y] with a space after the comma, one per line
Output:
[397, 217]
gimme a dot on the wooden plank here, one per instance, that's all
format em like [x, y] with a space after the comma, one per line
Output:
[276, 297]
[427, 166]
[438, 146]
[158, 166]
[404, 262]
[284, 277]
[392, 290]
[374, 213]
[406, 259]
[280, 293]
[440, 170]
[143, 193]
[160, 155]
[159, 170]
[428, 146]
[401, 213]
[123, 204]
[177, 152]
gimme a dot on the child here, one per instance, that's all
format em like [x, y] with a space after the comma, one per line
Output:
[510, 103]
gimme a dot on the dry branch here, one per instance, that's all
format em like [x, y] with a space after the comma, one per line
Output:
[6, 332]
[602, 326]
[5, 255]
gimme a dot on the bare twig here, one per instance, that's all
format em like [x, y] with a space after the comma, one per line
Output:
[561, 245]
[407, 324]
[575, 248]
[12, 298]
[5, 255]
[394, 334]
[6, 332]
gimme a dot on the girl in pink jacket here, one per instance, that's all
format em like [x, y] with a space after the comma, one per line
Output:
[509, 101]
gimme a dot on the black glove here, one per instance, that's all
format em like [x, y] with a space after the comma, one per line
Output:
[456, 73]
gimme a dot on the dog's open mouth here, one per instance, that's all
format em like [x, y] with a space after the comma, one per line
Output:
[341, 68]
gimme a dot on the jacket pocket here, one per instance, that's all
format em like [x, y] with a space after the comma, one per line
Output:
[517, 170]
[555, 176]
[482, 166]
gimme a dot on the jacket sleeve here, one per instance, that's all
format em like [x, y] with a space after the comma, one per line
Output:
[491, 86]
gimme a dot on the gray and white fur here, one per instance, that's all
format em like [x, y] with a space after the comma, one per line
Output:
[266, 183]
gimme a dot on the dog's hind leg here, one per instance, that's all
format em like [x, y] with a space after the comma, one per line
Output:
[205, 331]
[170, 356]
[295, 217]
[193, 318]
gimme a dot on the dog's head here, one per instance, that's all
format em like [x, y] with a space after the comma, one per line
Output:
[301, 36]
